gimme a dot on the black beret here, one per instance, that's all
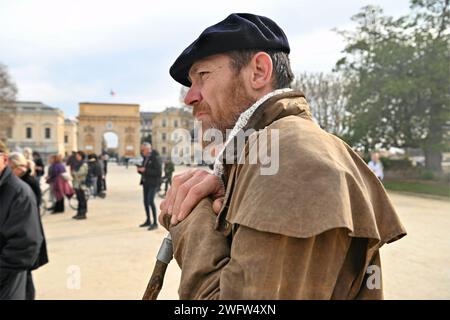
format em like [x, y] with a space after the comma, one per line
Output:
[239, 31]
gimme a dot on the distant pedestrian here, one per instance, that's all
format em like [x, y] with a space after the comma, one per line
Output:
[28, 153]
[20, 233]
[39, 167]
[79, 184]
[100, 177]
[169, 168]
[376, 166]
[94, 171]
[150, 172]
[104, 158]
[70, 161]
[58, 184]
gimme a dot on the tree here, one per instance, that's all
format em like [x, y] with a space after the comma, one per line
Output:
[325, 95]
[8, 92]
[397, 73]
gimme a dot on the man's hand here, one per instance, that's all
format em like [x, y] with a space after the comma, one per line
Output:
[186, 192]
[141, 169]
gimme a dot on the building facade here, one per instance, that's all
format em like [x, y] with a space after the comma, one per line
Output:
[164, 129]
[44, 129]
[37, 126]
[146, 125]
[70, 136]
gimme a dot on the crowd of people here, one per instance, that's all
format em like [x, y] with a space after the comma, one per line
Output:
[23, 174]
[22, 239]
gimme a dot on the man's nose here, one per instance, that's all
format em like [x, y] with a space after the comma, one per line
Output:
[192, 96]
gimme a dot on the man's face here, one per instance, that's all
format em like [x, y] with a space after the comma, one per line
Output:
[3, 161]
[217, 94]
[145, 151]
[375, 157]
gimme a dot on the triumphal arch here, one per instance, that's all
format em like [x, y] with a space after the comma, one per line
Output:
[96, 119]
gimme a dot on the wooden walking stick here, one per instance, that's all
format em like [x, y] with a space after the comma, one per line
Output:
[165, 254]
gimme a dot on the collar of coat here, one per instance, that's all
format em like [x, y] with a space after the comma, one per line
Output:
[5, 175]
[262, 113]
[321, 184]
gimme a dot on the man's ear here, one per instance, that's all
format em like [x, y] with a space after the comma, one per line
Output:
[261, 67]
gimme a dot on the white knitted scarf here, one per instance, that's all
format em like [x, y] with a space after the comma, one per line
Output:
[240, 124]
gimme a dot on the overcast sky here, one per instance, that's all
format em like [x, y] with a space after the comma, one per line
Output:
[64, 52]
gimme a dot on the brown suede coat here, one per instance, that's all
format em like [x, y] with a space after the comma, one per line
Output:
[313, 230]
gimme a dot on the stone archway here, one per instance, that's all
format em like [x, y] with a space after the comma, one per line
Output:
[96, 119]
[110, 142]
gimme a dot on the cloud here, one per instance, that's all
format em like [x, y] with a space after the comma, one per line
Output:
[316, 51]
[64, 52]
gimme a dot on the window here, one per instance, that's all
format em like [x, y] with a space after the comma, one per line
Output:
[163, 150]
[175, 123]
[163, 136]
[47, 133]
[164, 123]
[66, 138]
[9, 132]
[29, 133]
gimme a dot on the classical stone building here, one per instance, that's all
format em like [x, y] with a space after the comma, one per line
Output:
[37, 126]
[7, 114]
[146, 124]
[164, 126]
[97, 119]
[70, 136]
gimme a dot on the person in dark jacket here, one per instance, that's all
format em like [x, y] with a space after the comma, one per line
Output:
[39, 167]
[150, 172]
[94, 171]
[101, 177]
[18, 164]
[20, 233]
[70, 161]
[169, 168]
[104, 159]
[79, 175]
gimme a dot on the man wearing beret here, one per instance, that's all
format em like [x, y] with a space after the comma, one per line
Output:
[310, 230]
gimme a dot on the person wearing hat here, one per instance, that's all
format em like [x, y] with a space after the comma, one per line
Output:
[20, 233]
[309, 229]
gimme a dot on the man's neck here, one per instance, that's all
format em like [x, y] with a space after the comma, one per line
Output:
[261, 93]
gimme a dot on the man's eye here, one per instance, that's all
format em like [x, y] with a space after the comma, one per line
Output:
[202, 74]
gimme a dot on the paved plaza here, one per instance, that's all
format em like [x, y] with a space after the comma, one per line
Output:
[108, 256]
